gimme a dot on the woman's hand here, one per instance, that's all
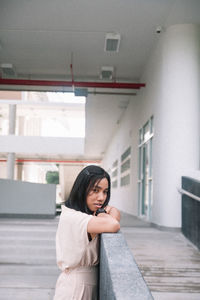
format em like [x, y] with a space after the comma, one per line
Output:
[103, 223]
[113, 211]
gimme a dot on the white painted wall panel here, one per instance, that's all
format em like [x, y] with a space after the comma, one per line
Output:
[27, 199]
[171, 95]
[42, 145]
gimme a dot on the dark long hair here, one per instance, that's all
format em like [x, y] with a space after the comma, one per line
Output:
[83, 184]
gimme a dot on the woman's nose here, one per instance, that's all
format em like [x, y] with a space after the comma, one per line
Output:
[100, 196]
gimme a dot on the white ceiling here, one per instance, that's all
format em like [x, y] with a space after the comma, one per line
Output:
[41, 38]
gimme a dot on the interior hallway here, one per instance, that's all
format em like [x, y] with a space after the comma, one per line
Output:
[169, 263]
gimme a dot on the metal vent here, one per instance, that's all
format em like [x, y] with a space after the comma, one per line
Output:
[7, 70]
[112, 42]
[80, 92]
[107, 73]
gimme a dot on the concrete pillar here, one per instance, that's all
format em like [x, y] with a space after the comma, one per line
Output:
[177, 142]
[11, 156]
[10, 165]
[12, 118]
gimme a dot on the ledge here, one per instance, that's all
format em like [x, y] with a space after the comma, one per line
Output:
[120, 277]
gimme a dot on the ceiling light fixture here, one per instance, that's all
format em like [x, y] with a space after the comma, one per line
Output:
[107, 73]
[112, 42]
[7, 70]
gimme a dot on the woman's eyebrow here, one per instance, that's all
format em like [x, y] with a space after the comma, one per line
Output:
[99, 187]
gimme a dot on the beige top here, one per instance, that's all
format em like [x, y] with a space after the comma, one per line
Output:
[73, 248]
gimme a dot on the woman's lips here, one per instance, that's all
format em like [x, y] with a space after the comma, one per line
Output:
[97, 205]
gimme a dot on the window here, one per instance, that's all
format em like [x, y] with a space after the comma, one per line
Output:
[114, 174]
[145, 181]
[125, 167]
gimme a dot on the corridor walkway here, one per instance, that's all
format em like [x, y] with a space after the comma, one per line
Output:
[28, 271]
[169, 263]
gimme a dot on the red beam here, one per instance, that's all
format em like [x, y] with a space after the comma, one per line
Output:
[112, 85]
[55, 161]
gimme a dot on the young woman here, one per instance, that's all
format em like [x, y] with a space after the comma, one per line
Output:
[85, 214]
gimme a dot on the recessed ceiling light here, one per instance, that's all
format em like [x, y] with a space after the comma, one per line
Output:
[112, 42]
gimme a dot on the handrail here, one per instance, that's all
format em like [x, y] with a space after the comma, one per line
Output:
[182, 191]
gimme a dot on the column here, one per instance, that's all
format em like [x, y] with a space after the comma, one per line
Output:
[177, 119]
[11, 156]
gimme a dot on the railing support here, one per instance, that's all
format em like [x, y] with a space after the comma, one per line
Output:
[120, 277]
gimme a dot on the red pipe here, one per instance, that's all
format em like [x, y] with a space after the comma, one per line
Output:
[112, 85]
[19, 160]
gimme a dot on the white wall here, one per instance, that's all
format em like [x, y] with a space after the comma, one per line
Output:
[125, 198]
[32, 199]
[172, 96]
[42, 145]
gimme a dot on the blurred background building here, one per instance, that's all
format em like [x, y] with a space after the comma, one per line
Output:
[108, 83]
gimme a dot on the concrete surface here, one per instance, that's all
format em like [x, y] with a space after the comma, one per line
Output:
[169, 263]
[120, 277]
[28, 268]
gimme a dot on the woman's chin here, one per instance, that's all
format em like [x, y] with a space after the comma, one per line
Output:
[92, 209]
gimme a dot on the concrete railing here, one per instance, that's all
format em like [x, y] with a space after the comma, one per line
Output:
[191, 209]
[25, 199]
[119, 276]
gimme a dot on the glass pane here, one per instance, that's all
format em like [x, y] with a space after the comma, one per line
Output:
[125, 166]
[114, 184]
[151, 124]
[140, 136]
[115, 164]
[114, 173]
[139, 164]
[125, 180]
[146, 131]
[126, 154]
[150, 158]
[139, 199]
[150, 196]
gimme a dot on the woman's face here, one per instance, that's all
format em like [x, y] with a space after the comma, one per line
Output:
[97, 195]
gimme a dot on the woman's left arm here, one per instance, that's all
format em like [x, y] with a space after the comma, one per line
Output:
[113, 211]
